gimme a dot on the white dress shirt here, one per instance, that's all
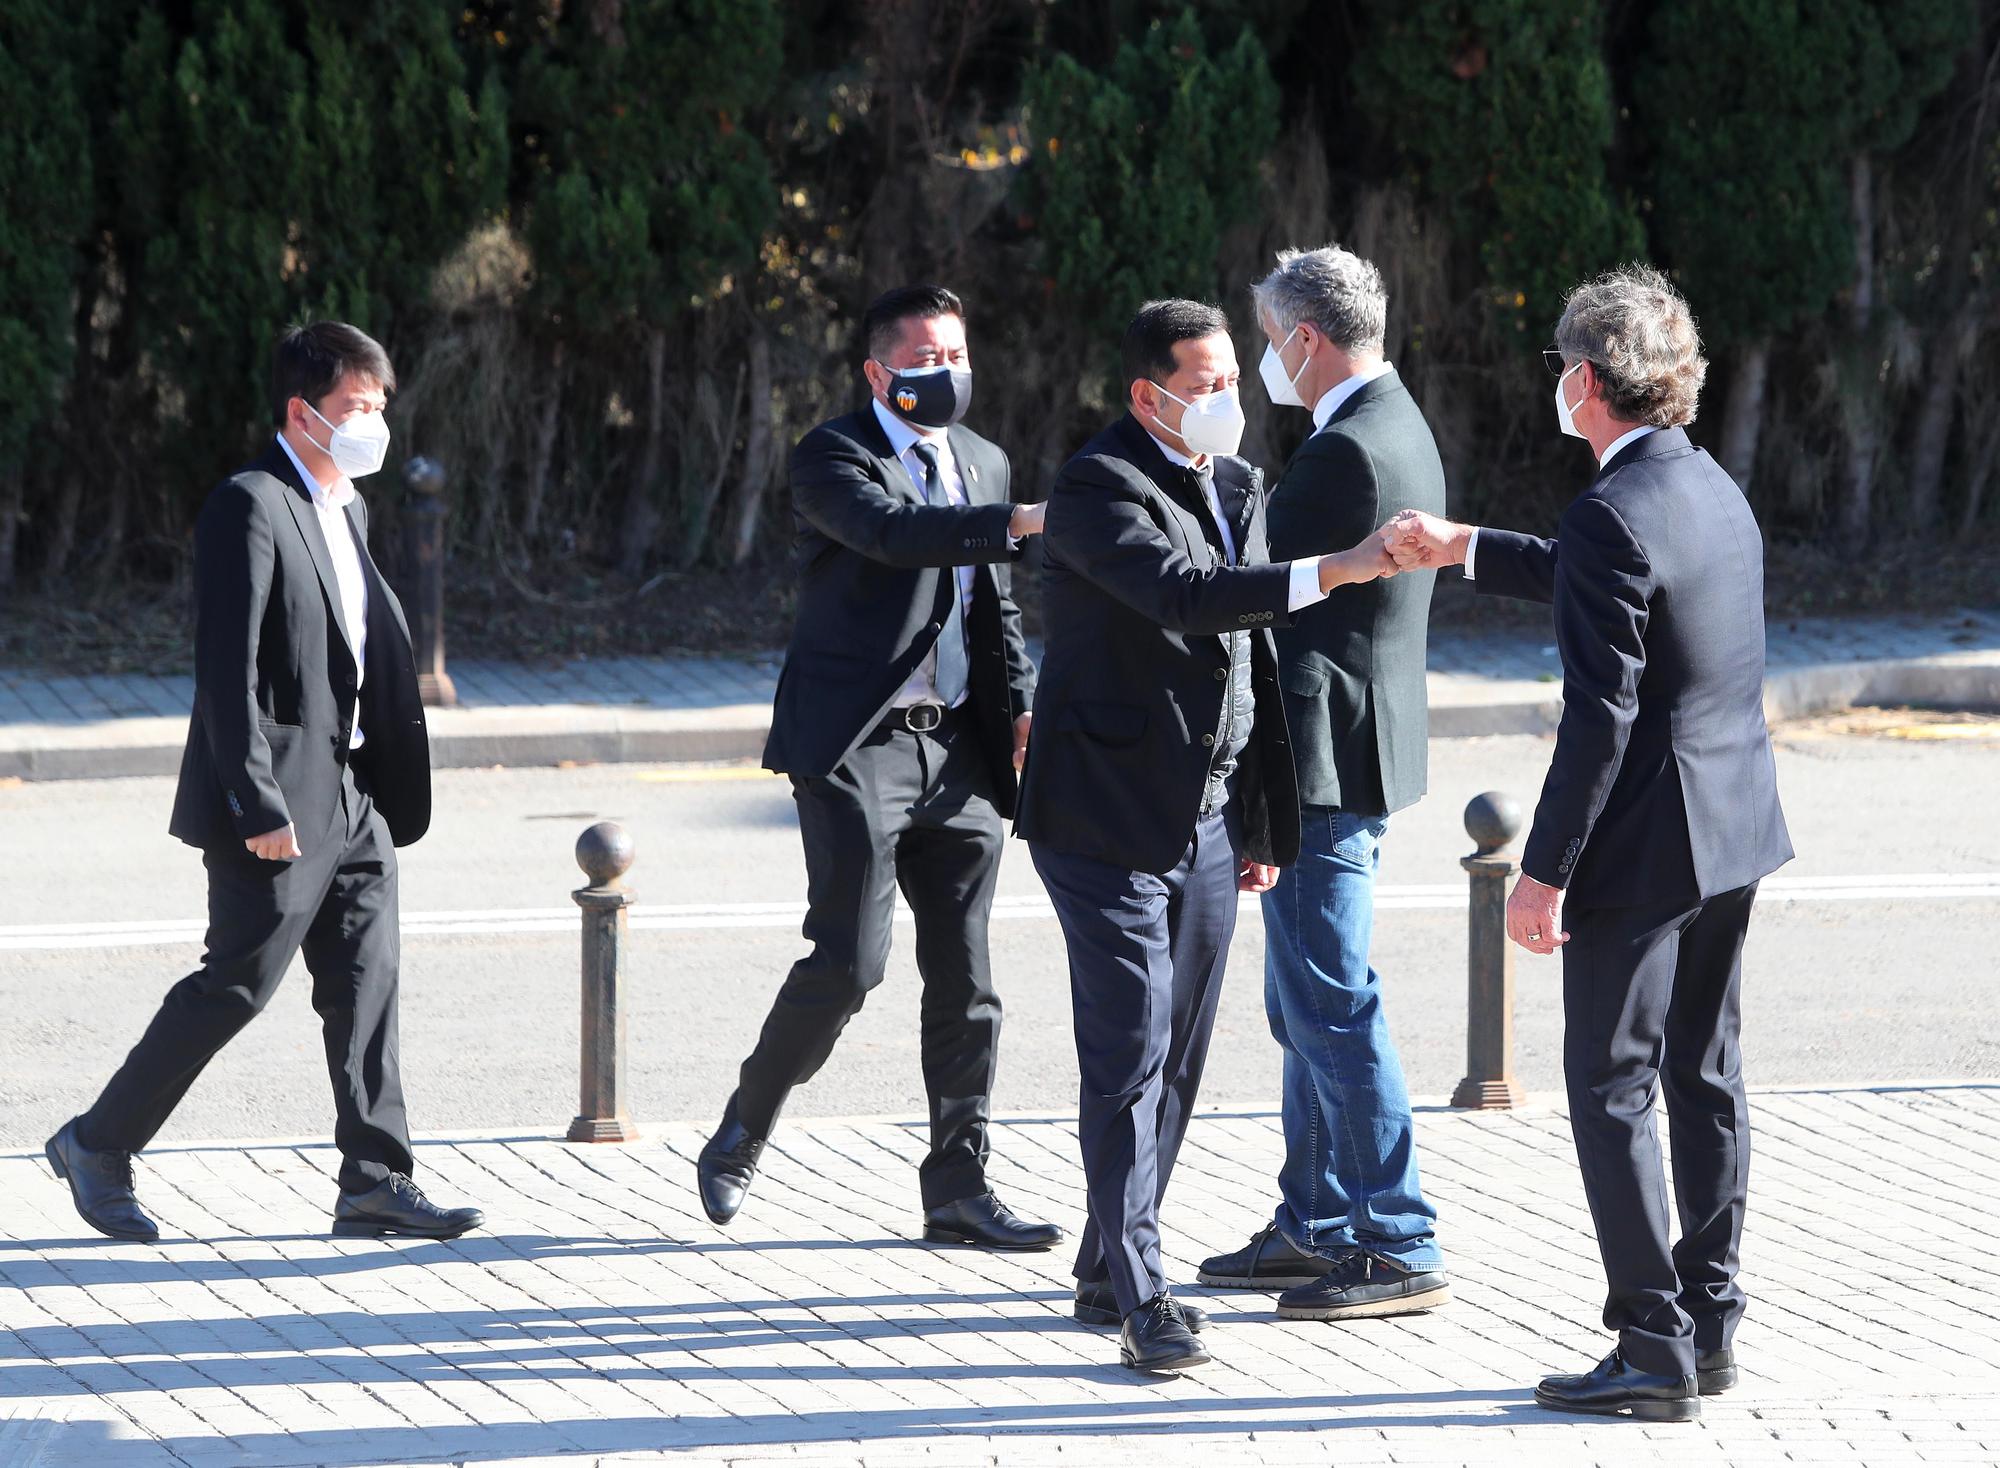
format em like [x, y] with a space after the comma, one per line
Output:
[1631, 435]
[330, 504]
[1330, 400]
[1304, 589]
[903, 438]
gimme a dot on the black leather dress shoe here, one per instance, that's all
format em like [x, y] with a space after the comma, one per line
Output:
[1270, 1261]
[1097, 1305]
[1613, 1389]
[989, 1223]
[100, 1184]
[398, 1206]
[1715, 1371]
[726, 1165]
[1155, 1337]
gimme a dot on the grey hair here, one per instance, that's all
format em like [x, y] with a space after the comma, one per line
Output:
[1336, 290]
[1636, 330]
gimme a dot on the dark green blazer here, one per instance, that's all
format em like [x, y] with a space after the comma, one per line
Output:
[1352, 666]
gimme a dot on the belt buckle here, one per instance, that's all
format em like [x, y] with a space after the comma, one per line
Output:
[921, 718]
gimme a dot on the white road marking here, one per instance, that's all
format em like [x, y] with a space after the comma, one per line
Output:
[702, 916]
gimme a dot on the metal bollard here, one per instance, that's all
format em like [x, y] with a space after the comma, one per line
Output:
[1492, 821]
[605, 854]
[424, 478]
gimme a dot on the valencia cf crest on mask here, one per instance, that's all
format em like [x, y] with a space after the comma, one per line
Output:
[930, 397]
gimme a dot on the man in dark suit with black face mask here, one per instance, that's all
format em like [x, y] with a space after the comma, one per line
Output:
[900, 716]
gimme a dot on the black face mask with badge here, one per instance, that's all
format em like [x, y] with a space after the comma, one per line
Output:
[929, 397]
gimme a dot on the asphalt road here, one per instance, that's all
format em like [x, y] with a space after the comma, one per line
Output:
[1892, 981]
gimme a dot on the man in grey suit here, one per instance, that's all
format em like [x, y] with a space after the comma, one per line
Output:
[1352, 1234]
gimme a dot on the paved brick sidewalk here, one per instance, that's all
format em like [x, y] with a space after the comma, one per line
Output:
[600, 1318]
[694, 708]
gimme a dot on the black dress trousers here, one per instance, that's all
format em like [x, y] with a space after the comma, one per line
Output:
[912, 811]
[337, 903]
[1146, 958]
[1651, 1002]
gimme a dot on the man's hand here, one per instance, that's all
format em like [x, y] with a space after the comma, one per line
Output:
[1254, 876]
[1421, 542]
[1363, 562]
[1021, 740]
[279, 845]
[1027, 520]
[1534, 916]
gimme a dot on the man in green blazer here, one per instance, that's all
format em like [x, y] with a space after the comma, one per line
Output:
[1352, 1234]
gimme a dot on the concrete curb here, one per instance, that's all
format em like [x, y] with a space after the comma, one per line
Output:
[592, 734]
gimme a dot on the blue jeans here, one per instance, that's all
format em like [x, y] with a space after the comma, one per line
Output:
[1350, 1173]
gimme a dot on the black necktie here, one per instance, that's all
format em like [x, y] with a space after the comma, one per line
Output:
[952, 664]
[1204, 485]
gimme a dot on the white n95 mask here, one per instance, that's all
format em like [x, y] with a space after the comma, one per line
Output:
[358, 446]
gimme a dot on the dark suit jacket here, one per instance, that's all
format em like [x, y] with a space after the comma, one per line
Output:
[874, 581]
[1352, 666]
[1662, 787]
[1135, 668]
[274, 675]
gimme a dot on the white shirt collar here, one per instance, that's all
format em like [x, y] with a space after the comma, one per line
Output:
[1174, 455]
[334, 496]
[1631, 435]
[903, 434]
[1330, 400]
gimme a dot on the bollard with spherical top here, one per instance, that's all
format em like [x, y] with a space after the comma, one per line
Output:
[1492, 820]
[604, 852]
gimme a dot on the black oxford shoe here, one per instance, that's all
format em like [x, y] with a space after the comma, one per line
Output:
[1715, 1371]
[988, 1223]
[1155, 1337]
[726, 1165]
[398, 1206]
[1613, 1389]
[1097, 1305]
[100, 1184]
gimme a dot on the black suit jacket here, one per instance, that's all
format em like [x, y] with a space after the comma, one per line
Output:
[1135, 668]
[875, 574]
[274, 675]
[1352, 666]
[1663, 787]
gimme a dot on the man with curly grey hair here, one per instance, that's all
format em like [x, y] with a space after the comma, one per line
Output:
[1658, 819]
[1352, 1234]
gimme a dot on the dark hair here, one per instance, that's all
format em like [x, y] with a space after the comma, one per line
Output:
[882, 324]
[1148, 350]
[310, 360]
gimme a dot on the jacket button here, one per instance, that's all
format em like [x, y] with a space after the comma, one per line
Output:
[1222, 675]
[1207, 739]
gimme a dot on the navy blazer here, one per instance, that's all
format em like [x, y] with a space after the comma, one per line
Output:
[274, 677]
[875, 567]
[1136, 602]
[1663, 787]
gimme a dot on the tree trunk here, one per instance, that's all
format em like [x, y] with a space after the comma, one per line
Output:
[542, 448]
[10, 527]
[1861, 385]
[1744, 418]
[642, 510]
[1932, 434]
[1976, 482]
[759, 449]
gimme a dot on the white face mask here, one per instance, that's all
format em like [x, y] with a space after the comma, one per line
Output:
[1283, 390]
[1212, 424]
[358, 446]
[1565, 414]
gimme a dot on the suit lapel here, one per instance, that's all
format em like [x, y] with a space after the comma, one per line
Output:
[965, 454]
[299, 501]
[896, 476]
[1172, 480]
